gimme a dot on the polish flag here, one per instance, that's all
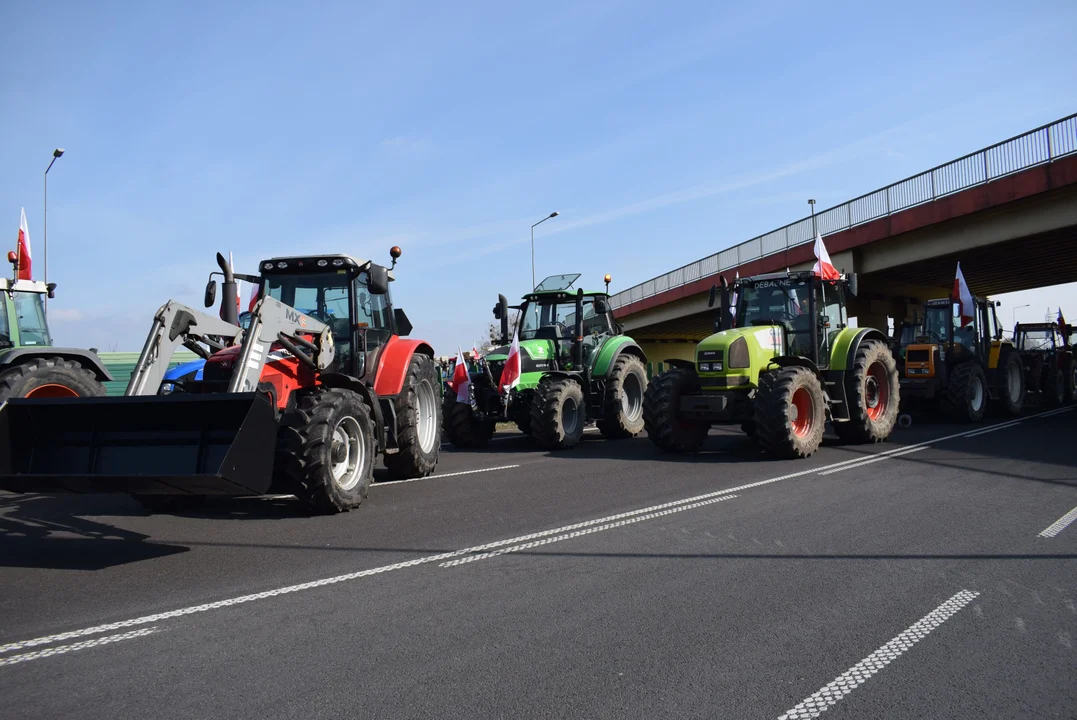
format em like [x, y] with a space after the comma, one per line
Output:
[823, 267]
[510, 374]
[253, 300]
[962, 295]
[24, 249]
[460, 379]
[1061, 321]
[733, 301]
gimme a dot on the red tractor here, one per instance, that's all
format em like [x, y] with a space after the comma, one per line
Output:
[298, 402]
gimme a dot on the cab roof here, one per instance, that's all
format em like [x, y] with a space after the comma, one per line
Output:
[314, 263]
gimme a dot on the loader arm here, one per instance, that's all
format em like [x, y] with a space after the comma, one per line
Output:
[274, 322]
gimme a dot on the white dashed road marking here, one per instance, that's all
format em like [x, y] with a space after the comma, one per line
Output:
[586, 531]
[1059, 525]
[856, 675]
[84, 645]
[445, 475]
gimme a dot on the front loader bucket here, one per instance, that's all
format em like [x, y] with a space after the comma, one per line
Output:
[214, 444]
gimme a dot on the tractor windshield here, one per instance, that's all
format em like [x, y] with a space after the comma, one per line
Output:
[1035, 340]
[324, 297]
[937, 318]
[30, 315]
[5, 332]
[550, 314]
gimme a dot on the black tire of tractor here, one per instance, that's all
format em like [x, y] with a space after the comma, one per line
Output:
[778, 432]
[171, 503]
[1010, 369]
[748, 428]
[552, 397]
[616, 423]
[1071, 380]
[873, 366]
[23, 379]
[967, 383]
[660, 403]
[1054, 388]
[418, 418]
[306, 449]
[460, 426]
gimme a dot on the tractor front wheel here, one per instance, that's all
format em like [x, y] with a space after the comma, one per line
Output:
[1071, 380]
[872, 388]
[1011, 373]
[327, 450]
[51, 377]
[558, 413]
[966, 395]
[623, 404]
[1054, 389]
[460, 427]
[418, 422]
[661, 404]
[790, 415]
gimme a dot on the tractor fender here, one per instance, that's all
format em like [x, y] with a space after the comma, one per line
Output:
[609, 352]
[370, 397]
[393, 363]
[785, 361]
[574, 376]
[678, 363]
[846, 344]
[87, 359]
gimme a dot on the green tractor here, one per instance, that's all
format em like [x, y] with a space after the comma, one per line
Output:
[575, 366]
[29, 364]
[787, 365]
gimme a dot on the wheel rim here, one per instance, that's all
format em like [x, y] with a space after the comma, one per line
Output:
[876, 391]
[347, 453]
[51, 391]
[1013, 382]
[976, 393]
[632, 397]
[803, 412]
[427, 428]
[570, 416]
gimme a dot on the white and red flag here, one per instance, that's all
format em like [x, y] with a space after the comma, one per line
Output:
[823, 267]
[24, 249]
[962, 295]
[510, 374]
[460, 379]
[733, 301]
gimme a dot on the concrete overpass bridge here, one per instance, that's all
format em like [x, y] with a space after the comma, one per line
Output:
[1007, 212]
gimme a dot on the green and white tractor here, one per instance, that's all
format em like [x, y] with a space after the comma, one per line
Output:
[782, 363]
[575, 367]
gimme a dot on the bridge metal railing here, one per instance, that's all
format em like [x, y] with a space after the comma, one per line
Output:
[1035, 147]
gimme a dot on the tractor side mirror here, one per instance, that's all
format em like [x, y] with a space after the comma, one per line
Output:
[710, 298]
[501, 312]
[51, 287]
[852, 284]
[601, 306]
[379, 279]
[401, 322]
[211, 292]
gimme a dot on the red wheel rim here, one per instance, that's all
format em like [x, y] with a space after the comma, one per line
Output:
[805, 407]
[51, 391]
[876, 391]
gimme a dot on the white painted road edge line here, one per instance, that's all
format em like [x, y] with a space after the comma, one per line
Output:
[856, 675]
[147, 619]
[1059, 525]
[446, 475]
[993, 428]
[869, 461]
[84, 645]
[587, 531]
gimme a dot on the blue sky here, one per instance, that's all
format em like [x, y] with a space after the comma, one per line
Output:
[660, 132]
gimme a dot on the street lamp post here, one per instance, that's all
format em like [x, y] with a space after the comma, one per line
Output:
[551, 215]
[811, 201]
[45, 224]
[1014, 312]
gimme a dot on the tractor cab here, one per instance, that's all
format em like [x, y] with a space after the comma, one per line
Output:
[22, 314]
[548, 313]
[804, 311]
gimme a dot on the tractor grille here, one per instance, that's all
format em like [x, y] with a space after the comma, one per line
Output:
[918, 356]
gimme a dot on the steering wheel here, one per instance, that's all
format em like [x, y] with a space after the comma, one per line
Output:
[786, 321]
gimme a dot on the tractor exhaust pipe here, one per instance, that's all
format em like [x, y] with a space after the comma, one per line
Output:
[503, 315]
[229, 293]
[577, 331]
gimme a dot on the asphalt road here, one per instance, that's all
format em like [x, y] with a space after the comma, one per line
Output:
[933, 576]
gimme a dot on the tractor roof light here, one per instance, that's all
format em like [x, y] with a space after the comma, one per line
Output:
[338, 262]
[282, 264]
[12, 257]
[267, 266]
[323, 262]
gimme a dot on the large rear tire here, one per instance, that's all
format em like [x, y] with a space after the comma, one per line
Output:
[660, 410]
[418, 420]
[49, 377]
[623, 404]
[1071, 380]
[460, 426]
[1054, 388]
[966, 395]
[558, 413]
[1011, 374]
[790, 415]
[872, 387]
[327, 450]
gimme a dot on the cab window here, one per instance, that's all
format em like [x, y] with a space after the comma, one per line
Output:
[30, 316]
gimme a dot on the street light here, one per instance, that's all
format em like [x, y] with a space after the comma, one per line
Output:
[1014, 314]
[811, 201]
[551, 215]
[45, 225]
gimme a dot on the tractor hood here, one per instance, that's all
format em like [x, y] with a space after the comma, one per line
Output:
[535, 355]
[733, 358]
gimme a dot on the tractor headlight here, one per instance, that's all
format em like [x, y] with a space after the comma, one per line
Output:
[738, 354]
[704, 367]
[716, 367]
